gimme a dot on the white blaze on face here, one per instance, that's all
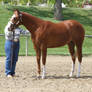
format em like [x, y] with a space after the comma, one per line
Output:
[12, 17]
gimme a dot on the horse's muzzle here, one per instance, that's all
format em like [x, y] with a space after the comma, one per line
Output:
[9, 29]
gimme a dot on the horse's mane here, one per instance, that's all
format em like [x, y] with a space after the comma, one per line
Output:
[32, 17]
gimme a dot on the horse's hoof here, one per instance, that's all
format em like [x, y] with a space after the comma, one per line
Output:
[78, 76]
[43, 77]
[70, 75]
[38, 77]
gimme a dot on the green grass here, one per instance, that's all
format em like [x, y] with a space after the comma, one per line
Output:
[81, 15]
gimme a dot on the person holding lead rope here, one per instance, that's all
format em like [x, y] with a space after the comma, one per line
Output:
[12, 46]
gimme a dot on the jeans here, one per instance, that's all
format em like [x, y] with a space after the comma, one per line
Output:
[12, 51]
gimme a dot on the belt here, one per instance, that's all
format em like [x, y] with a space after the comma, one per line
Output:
[16, 40]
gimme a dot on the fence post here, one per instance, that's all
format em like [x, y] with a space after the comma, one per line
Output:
[26, 45]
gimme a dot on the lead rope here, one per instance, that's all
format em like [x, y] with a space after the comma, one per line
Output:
[12, 49]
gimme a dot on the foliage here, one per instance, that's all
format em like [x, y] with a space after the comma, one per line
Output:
[90, 2]
[22, 2]
[74, 3]
[51, 1]
[69, 3]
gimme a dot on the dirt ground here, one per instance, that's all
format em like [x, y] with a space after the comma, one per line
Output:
[57, 80]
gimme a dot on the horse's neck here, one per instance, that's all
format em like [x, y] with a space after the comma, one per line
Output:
[31, 22]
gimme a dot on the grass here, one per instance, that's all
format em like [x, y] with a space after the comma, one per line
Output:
[81, 15]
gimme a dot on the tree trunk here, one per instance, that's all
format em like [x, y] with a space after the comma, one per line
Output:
[58, 10]
[44, 1]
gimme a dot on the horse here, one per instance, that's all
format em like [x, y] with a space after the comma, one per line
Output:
[46, 34]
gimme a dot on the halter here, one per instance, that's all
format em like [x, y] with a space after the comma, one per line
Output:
[20, 19]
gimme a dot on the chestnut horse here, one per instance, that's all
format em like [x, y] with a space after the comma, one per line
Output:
[45, 34]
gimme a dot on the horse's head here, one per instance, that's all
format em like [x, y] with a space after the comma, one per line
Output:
[15, 20]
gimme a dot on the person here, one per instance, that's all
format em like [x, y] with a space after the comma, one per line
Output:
[12, 46]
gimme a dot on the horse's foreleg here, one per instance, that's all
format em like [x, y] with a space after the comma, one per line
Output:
[44, 54]
[38, 56]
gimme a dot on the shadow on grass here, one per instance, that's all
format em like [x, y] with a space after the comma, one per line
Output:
[83, 16]
[33, 10]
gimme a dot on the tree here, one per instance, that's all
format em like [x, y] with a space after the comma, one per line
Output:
[58, 10]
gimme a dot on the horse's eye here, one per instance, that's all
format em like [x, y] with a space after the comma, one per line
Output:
[14, 18]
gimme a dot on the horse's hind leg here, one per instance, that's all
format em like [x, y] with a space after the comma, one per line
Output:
[71, 46]
[79, 53]
[44, 54]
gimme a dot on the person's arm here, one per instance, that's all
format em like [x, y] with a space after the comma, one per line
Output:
[22, 31]
[8, 33]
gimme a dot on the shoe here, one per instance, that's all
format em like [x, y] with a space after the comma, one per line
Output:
[13, 75]
[9, 76]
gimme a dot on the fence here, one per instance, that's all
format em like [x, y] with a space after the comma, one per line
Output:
[26, 42]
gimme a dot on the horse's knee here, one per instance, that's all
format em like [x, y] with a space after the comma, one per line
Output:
[80, 58]
[38, 58]
[80, 55]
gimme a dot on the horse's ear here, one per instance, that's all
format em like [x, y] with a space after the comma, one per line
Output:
[17, 12]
